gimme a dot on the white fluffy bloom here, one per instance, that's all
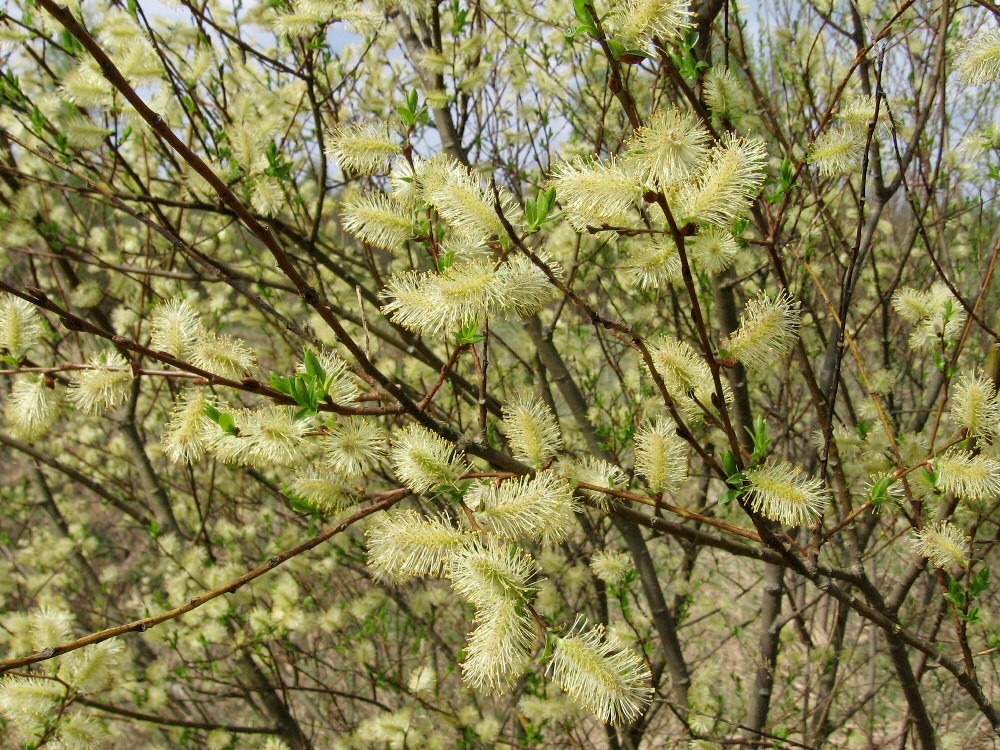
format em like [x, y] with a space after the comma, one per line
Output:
[432, 302]
[355, 446]
[526, 289]
[713, 249]
[973, 477]
[730, 180]
[857, 113]
[85, 86]
[222, 355]
[50, 626]
[539, 508]
[685, 374]
[531, 429]
[461, 201]
[769, 328]
[78, 731]
[611, 566]
[266, 195]
[20, 326]
[598, 472]
[322, 491]
[499, 649]
[725, 94]
[782, 492]
[944, 544]
[176, 326]
[32, 408]
[379, 220]
[423, 679]
[974, 405]
[667, 150]
[464, 293]
[485, 574]
[366, 147]
[266, 437]
[27, 702]
[660, 455]
[935, 314]
[595, 193]
[637, 21]
[90, 669]
[837, 151]
[979, 61]
[654, 263]
[403, 543]
[423, 460]
[105, 386]
[183, 439]
[597, 671]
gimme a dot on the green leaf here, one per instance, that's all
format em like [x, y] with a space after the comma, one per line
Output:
[281, 383]
[729, 495]
[761, 441]
[300, 392]
[446, 260]
[313, 366]
[406, 117]
[956, 594]
[584, 16]
[530, 212]
[537, 211]
[469, 334]
[880, 490]
[227, 423]
[212, 413]
[979, 583]
[617, 48]
[729, 464]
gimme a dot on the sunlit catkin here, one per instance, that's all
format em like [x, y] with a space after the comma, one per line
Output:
[784, 493]
[32, 408]
[979, 60]
[104, 386]
[540, 508]
[769, 328]
[366, 147]
[640, 20]
[423, 460]
[968, 475]
[974, 405]
[379, 220]
[499, 649]
[668, 149]
[660, 455]
[403, 543]
[20, 326]
[176, 326]
[598, 672]
[485, 574]
[943, 543]
[731, 179]
[531, 429]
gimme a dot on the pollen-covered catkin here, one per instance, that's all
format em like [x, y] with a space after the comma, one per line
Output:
[597, 671]
[784, 493]
[531, 429]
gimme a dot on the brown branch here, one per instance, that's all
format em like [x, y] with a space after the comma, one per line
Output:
[382, 502]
